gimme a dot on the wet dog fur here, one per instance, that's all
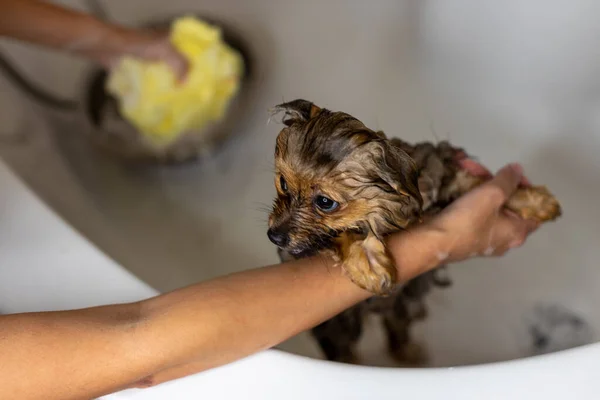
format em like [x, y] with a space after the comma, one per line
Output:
[341, 189]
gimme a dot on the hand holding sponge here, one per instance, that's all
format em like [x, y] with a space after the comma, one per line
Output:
[160, 107]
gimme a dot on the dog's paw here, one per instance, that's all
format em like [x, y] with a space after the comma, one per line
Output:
[417, 310]
[410, 354]
[536, 203]
[368, 265]
[532, 202]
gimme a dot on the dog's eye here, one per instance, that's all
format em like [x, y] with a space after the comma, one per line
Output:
[283, 184]
[325, 203]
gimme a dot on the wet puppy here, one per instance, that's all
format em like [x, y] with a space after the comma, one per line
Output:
[342, 188]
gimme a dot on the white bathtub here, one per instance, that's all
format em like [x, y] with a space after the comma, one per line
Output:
[511, 81]
[49, 266]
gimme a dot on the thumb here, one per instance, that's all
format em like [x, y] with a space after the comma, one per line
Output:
[179, 66]
[507, 180]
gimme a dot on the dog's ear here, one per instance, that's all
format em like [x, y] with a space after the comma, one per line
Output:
[396, 168]
[297, 111]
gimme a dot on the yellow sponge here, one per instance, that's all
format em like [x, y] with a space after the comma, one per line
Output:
[161, 108]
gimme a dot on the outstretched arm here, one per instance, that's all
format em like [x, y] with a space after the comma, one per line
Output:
[52, 26]
[90, 352]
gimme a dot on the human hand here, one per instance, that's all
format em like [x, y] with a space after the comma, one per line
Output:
[147, 45]
[477, 224]
[156, 47]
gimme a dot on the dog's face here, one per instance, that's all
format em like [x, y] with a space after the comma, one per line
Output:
[334, 175]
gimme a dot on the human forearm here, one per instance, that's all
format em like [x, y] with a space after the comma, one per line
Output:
[280, 303]
[240, 314]
[63, 29]
[69, 354]
[90, 352]
[71, 31]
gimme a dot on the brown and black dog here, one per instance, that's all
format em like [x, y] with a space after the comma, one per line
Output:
[342, 188]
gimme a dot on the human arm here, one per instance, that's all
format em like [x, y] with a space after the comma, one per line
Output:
[86, 353]
[52, 26]
[90, 352]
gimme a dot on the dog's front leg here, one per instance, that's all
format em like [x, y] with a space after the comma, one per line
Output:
[366, 261]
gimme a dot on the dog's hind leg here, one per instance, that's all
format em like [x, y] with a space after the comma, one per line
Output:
[338, 336]
[397, 321]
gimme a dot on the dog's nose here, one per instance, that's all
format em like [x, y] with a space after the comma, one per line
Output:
[278, 237]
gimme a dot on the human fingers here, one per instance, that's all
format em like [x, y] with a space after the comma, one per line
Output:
[178, 64]
[474, 168]
[477, 169]
[502, 186]
[509, 232]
